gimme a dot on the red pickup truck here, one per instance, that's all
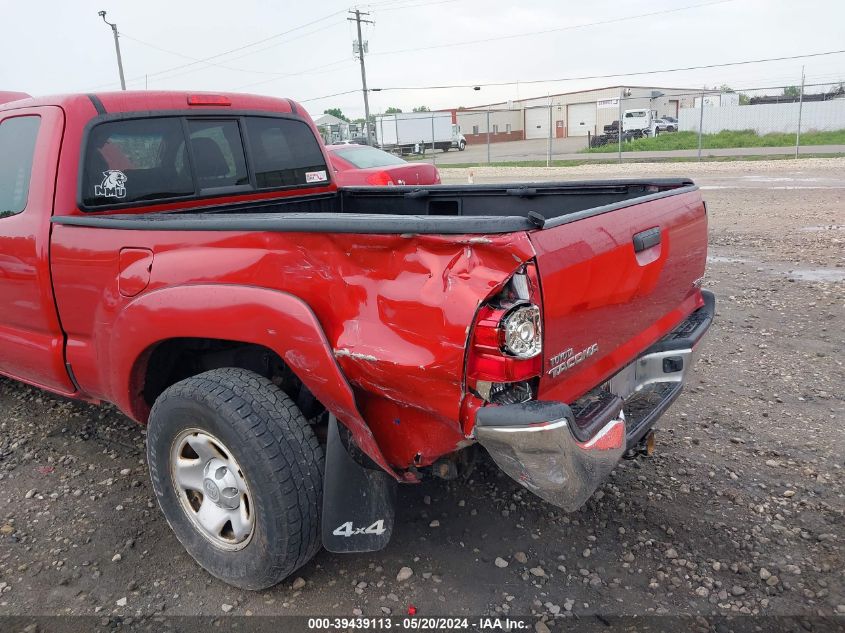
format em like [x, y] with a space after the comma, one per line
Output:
[296, 349]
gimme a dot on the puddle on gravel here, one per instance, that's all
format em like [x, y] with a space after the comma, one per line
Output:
[828, 275]
[827, 227]
[832, 275]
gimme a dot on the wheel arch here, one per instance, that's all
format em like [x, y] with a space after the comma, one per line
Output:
[261, 318]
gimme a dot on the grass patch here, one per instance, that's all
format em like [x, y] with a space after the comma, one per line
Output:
[668, 141]
[678, 159]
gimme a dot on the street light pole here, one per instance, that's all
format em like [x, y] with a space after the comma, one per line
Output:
[102, 14]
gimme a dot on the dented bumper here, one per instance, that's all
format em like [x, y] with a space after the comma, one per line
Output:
[534, 444]
[562, 453]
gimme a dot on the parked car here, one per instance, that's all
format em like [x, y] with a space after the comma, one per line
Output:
[355, 140]
[296, 350]
[664, 125]
[362, 165]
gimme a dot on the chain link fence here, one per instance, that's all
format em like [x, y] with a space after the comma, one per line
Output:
[656, 124]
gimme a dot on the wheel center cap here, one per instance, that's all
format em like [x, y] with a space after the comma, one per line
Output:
[221, 485]
[211, 490]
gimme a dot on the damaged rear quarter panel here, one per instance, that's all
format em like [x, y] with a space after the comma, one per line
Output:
[403, 346]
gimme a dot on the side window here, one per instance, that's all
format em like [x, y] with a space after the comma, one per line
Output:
[17, 148]
[134, 161]
[284, 153]
[218, 153]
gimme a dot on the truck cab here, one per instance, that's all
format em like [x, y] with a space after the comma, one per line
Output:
[458, 139]
[640, 120]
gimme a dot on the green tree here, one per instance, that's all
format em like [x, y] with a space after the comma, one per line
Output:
[744, 99]
[422, 109]
[726, 88]
[392, 110]
[336, 112]
[791, 91]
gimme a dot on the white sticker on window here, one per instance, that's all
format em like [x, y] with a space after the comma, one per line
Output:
[316, 176]
[113, 185]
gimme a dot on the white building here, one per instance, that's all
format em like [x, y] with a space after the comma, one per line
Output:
[572, 113]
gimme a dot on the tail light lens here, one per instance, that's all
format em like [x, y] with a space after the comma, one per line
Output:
[505, 355]
[522, 334]
[381, 178]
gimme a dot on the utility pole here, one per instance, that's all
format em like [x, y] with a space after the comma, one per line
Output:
[102, 14]
[360, 50]
[701, 122]
[800, 108]
[619, 123]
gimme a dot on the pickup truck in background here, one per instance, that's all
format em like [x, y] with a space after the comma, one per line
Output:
[297, 350]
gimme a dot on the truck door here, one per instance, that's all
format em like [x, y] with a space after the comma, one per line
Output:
[31, 339]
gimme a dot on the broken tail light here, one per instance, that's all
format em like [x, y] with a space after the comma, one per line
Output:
[505, 354]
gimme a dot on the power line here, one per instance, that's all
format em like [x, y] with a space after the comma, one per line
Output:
[336, 94]
[239, 48]
[207, 60]
[296, 74]
[613, 75]
[224, 66]
[554, 30]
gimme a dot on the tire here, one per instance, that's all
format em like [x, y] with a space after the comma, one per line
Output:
[273, 465]
[462, 146]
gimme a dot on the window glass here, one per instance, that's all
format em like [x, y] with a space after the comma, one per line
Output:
[364, 157]
[284, 152]
[135, 160]
[17, 148]
[218, 153]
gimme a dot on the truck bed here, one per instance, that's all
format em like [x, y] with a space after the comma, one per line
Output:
[438, 209]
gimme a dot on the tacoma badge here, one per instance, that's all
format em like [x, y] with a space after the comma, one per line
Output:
[567, 359]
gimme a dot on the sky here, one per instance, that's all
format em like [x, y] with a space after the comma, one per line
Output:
[304, 51]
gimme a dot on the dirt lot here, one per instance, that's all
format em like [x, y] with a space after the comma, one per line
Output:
[739, 511]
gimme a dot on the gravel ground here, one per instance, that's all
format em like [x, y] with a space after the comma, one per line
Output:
[740, 511]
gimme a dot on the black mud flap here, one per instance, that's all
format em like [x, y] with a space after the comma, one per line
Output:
[358, 502]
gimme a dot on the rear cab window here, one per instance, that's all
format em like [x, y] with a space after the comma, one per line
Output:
[128, 161]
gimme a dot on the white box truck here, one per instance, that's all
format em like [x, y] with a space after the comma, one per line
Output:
[415, 132]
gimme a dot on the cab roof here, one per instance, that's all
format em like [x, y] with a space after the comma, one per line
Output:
[144, 100]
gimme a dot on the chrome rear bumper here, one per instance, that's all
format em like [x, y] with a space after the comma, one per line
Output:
[545, 457]
[562, 453]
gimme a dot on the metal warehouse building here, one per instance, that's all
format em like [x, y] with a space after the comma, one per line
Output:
[572, 113]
